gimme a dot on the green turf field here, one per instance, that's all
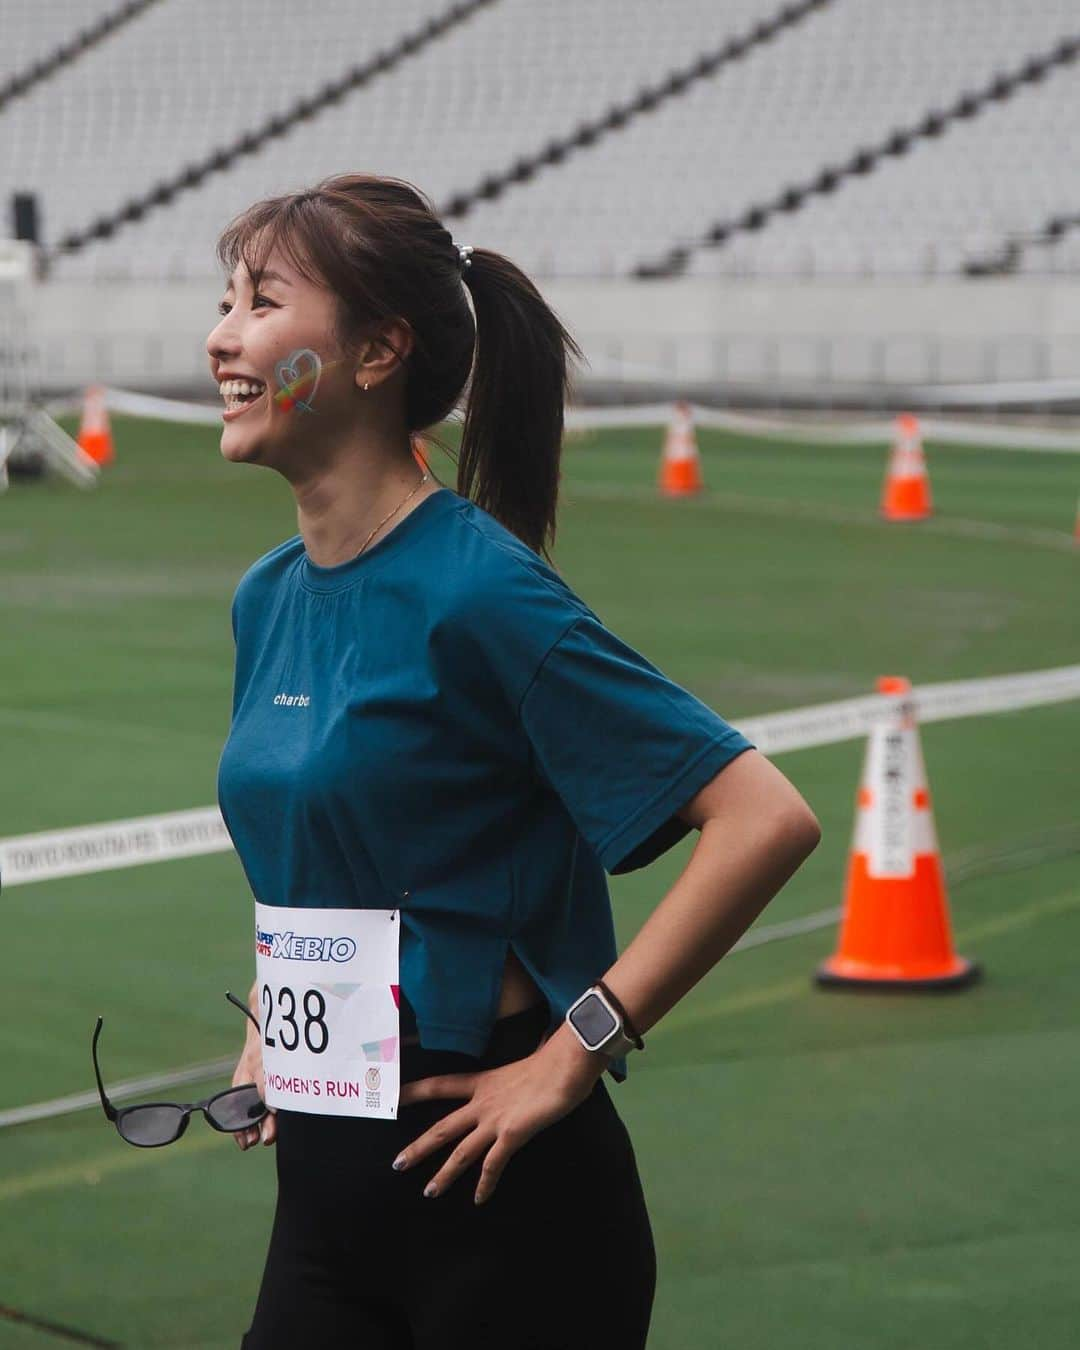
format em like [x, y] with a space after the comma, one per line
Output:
[823, 1170]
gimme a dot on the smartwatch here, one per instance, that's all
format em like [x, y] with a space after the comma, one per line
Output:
[600, 1023]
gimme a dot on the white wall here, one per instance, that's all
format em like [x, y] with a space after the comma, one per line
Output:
[152, 336]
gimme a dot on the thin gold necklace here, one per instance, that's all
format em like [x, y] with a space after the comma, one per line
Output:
[423, 480]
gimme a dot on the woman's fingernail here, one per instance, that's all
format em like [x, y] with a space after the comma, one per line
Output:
[398, 1163]
[429, 1190]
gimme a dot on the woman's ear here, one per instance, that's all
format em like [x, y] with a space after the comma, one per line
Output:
[388, 349]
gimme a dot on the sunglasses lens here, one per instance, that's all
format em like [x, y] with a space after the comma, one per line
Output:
[151, 1124]
[238, 1109]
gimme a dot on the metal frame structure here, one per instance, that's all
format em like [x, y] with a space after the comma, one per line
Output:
[27, 432]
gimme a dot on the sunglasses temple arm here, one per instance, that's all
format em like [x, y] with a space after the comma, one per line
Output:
[244, 1009]
[109, 1109]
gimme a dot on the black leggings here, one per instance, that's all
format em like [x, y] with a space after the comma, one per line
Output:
[559, 1257]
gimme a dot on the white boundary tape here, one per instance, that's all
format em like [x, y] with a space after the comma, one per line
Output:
[117, 843]
[998, 436]
[828, 723]
[812, 431]
[184, 834]
[995, 436]
[118, 1092]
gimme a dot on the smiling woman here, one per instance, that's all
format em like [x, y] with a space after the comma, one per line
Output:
[437, 749]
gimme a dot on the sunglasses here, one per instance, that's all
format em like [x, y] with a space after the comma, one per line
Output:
[153, 1124]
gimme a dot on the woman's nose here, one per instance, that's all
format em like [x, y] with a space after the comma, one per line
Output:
[221, 342]
[218, 347]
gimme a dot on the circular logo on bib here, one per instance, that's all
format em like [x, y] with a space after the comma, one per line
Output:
[372, 1079]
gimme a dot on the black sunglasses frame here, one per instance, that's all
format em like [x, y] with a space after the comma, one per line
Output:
[187, 1108]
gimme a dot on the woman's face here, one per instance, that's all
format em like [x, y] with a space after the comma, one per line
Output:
[279, 342]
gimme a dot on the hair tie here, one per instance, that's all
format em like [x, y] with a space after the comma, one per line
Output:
[464, 260]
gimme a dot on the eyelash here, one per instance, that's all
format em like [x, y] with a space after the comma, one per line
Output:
[224, 306]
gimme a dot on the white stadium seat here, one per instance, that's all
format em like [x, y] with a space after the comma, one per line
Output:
[181, 80]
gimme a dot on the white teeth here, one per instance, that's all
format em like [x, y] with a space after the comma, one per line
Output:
[236, 388]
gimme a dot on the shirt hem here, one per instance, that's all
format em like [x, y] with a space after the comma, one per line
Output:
[657, 811]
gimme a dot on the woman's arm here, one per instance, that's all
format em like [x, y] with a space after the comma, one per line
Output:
[756, 831]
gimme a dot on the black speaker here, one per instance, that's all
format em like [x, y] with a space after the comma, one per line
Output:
[24, 210]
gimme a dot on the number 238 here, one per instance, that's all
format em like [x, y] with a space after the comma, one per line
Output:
[316, 1034]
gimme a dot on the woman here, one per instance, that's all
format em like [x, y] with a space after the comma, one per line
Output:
[436, 751]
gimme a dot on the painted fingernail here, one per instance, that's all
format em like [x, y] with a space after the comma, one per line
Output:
[429, 1190]
[479, 1199]
[398, 1163]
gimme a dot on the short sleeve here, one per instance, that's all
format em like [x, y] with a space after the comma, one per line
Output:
[622, 745]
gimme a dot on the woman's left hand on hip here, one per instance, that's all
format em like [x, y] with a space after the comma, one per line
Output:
[506, 1106]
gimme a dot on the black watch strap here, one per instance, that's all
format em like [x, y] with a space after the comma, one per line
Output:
[628, 1029]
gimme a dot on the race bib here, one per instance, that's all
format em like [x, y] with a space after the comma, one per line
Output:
[328, 1008]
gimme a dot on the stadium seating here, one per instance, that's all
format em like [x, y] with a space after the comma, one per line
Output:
[169, 88]
[30, 31]
[829, 86]
[1001, 175]
[178, 82]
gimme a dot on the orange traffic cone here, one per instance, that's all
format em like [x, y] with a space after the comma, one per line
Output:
[906, 494]
[95, 435]
[895, 933]
[680, 464]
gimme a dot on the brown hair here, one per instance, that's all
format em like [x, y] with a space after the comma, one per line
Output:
[378, 246]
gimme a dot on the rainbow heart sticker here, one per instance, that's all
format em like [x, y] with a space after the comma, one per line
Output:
[298, 374]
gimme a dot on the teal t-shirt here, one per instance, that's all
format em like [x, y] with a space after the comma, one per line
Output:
[440, 725]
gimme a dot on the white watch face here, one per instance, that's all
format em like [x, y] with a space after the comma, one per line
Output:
[593, 1020]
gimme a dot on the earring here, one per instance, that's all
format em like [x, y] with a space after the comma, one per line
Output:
[366, 383]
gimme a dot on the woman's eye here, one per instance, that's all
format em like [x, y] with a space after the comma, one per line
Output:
[224, 306]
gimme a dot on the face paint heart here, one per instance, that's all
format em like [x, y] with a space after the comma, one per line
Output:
[298, 375]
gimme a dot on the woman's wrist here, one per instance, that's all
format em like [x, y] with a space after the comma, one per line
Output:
[580, 1065]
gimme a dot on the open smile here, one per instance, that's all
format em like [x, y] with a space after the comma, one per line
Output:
[239, 409]
[240, 395]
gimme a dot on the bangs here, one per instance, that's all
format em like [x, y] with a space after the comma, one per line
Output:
[253, 236]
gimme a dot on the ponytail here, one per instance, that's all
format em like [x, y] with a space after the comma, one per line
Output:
[512, 437]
